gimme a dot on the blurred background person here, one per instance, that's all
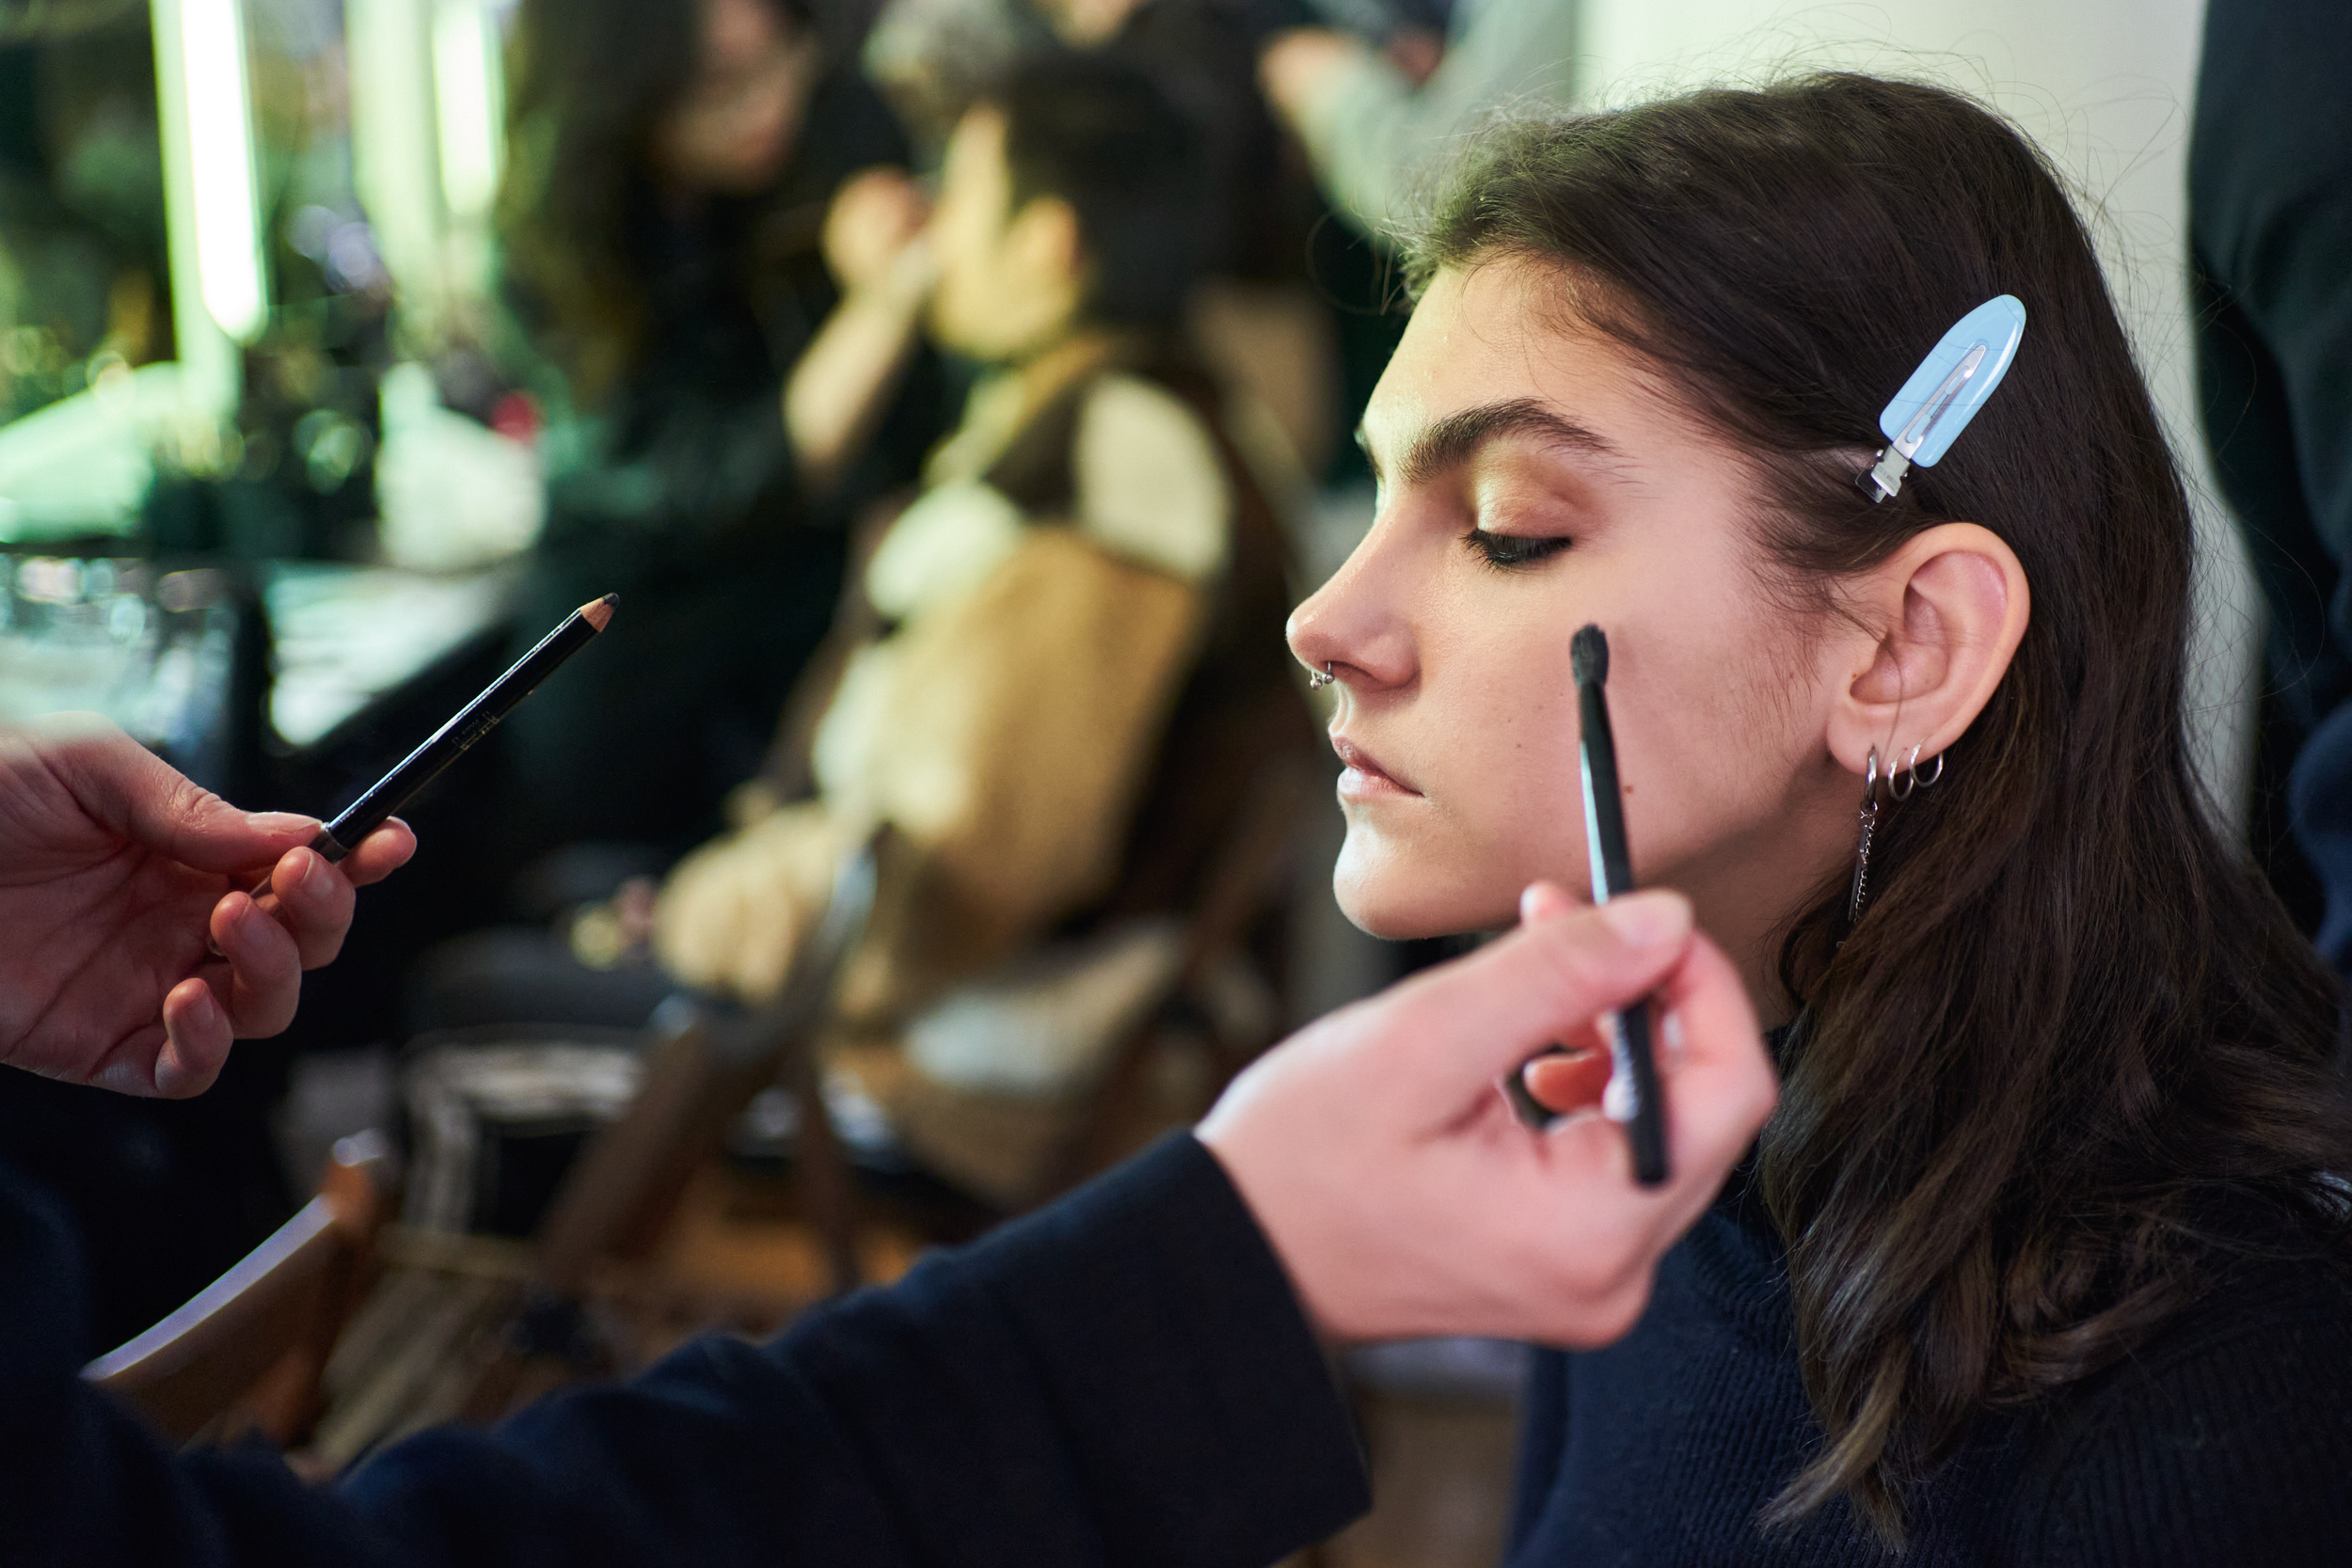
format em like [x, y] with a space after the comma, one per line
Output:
[1374, 121]
[662, 221]
[1062, 665]
[1273, 314]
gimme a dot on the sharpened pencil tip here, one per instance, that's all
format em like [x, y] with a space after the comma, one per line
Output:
[1588, 658]
[599, 612]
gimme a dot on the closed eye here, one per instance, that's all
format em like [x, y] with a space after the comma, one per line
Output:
[1509, 552]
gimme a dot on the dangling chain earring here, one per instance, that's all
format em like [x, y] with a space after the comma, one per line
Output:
[1899, 789]
[1862, 849]
[1318, 679]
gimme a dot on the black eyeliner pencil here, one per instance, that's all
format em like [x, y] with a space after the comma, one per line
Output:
[1613, 874]
[456, 737]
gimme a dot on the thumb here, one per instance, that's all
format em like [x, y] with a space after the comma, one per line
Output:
[127, 788]
[1541, 984]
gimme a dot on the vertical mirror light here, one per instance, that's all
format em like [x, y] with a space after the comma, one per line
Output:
[467, 91]
[219, 131]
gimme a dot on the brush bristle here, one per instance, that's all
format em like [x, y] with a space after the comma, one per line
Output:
[1588, 658]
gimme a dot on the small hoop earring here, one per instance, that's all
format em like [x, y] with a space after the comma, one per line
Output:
[1911, 778]
[1318, 679]
[1870, 816]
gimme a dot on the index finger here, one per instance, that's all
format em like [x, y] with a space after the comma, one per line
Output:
[381, 853]
[1716, 1086]
[312, 898]
[1718, 1083]
[1542, 983]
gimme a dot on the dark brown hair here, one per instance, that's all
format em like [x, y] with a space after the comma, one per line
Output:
[2074, 1040]
[592, 80]
[1104, 132]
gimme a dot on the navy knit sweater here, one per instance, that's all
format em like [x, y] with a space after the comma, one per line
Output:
[1123, 1378]
[2227, 1441]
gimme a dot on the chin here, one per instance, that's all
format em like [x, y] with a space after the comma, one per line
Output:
[1397, 903]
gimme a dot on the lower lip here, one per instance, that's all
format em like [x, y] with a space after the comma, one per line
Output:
[1356, 783]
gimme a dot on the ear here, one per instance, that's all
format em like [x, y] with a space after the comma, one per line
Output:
[1939, 621]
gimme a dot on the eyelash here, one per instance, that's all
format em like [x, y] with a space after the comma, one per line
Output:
[1511, 552]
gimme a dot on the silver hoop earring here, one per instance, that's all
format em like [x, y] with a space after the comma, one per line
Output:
[1318, 679]
[1862, 848]
[1911, 778]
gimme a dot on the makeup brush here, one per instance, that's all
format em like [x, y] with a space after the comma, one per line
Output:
[1628, 1030]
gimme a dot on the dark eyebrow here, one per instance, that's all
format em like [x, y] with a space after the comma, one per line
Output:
[1456, 439]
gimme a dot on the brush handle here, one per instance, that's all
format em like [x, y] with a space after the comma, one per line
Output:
[1635, 1062]
[1604, 804]
[1632, 1060]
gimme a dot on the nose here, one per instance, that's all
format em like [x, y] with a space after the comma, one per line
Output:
[1355, 626]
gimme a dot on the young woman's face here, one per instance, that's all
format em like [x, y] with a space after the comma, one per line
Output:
[735, 123]
[1533, 480]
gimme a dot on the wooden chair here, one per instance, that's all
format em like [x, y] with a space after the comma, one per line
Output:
[468, 1329]
[1244, 877]
[246, 1355]
[619, 1200]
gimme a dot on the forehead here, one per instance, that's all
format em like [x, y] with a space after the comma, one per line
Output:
[1499, 333]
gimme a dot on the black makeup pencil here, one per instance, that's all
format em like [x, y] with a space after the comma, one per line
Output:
[1613, 874]
[456, 737]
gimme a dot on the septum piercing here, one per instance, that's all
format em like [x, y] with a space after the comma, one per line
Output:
[1318, 679]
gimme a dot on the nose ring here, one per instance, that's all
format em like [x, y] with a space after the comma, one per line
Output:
[1318, 679]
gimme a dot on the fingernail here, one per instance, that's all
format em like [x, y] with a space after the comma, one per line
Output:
[310, 872]
[276, 822]
[1647, 919]
[243, 913]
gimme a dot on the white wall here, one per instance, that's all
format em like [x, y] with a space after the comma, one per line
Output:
[2105, 86]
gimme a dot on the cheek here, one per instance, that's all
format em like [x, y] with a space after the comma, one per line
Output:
[1709, 726]
[1703, 724]
[1491, 743]
[775, 118]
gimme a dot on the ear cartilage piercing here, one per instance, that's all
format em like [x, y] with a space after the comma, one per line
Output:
[1945, 392]
[1634, 1074]
[1318, 679]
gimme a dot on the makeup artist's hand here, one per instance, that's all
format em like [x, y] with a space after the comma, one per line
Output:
[1406, 1199]
[118, 876]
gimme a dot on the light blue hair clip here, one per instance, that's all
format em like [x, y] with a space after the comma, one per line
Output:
[1945, 391]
